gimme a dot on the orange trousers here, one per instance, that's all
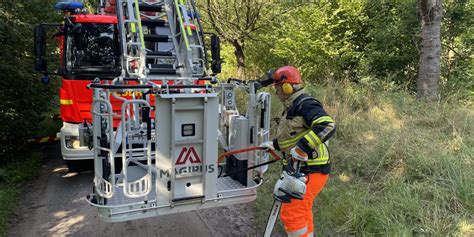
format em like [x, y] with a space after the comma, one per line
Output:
[297, 216]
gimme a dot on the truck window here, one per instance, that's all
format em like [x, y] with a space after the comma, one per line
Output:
[92, 48]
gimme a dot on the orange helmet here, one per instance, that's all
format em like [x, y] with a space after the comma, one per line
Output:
[287, 74]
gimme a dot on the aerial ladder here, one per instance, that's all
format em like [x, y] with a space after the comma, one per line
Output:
[181, 144]
[155, 47]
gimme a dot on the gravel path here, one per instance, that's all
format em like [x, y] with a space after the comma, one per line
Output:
[54, 205]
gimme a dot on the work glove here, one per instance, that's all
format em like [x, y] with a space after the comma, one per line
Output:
[290, 186]
[303, 145]
[298, 154]
[263, 156]
[267, 145]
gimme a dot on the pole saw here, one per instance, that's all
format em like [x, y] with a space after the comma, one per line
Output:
[290, 185]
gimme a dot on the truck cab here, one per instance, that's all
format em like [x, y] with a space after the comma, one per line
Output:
[89, 48]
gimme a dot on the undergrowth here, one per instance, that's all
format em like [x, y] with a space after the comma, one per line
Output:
[11, 175]
[401, 167]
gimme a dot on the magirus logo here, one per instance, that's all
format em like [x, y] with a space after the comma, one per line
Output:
[188, 154]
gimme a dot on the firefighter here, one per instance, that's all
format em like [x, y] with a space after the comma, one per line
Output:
[304, 125]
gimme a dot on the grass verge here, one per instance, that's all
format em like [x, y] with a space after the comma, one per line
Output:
[400, 167]
[11, 175]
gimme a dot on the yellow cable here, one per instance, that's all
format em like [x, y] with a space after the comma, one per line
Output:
[180, 18]
[140, 30]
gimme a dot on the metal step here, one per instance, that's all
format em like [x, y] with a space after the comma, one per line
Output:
[154, 23]
[165, 65]
[150, 8]
[176, 76]
[157, 38]
[167, 69]
[162, 71]
[159, 54]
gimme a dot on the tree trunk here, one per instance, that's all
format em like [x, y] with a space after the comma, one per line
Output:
[429, 68]
[240, 57]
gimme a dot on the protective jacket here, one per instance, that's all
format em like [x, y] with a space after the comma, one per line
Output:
[305, 123]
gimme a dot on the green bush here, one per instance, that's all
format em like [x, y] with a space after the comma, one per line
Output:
[25, 101]
[25, 167]
[7, 198]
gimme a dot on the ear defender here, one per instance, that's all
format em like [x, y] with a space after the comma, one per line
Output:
[287, 88]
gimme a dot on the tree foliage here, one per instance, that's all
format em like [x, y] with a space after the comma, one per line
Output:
[238, 21]
[349, 40]
[457, 33]
[392, 47]
[24, 100]
[364, 41]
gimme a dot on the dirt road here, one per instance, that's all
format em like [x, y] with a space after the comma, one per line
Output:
[54, 205]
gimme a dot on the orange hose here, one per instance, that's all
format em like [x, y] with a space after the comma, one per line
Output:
[252, 148]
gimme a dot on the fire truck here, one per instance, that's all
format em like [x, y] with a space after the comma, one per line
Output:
[89, 49]
[165, 134]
